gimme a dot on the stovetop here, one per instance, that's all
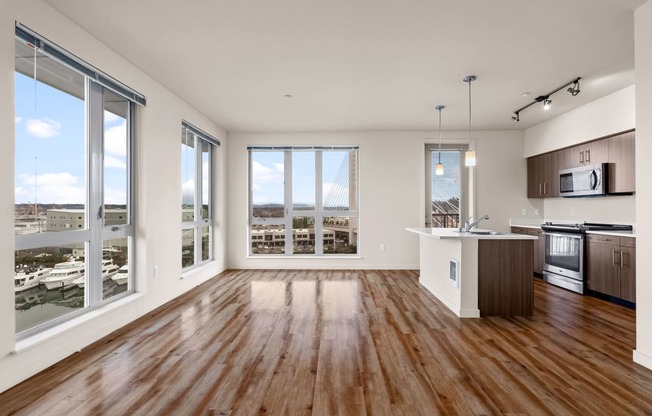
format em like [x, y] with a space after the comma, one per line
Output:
[584, 227]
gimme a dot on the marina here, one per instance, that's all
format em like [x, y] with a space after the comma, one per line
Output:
[46, 293]
[37, 305]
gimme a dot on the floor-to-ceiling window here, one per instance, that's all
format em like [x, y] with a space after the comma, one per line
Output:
[73, 221]
[303, 200]
[196, 195]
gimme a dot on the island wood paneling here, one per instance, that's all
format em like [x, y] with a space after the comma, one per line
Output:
[505, 277]
[294, 342]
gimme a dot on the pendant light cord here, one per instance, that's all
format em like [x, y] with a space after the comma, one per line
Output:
[470, 124]
[440, 108]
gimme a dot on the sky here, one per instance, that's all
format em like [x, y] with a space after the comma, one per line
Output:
[268, 176]
[448, 185]
[50, 147]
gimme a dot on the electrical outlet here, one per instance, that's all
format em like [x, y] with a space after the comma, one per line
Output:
[524, 211]
[536, 211]
[155, 272]
[382, 247]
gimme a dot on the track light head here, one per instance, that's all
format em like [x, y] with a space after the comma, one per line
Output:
[546, 104]
[575, 89]
[516, 117]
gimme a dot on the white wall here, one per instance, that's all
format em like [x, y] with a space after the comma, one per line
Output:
[643, 40]
[392, 187]
[158, 195]
[608, 115]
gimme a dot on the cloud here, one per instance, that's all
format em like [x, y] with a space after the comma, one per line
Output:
[17, 120]
[188, 191]
[115, 197]
[115, 140]
[44, 128]
[57, 188]
[109, 117]
[263, 174]
[114, 162]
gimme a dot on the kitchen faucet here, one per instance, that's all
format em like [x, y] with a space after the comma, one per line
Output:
[468, 226]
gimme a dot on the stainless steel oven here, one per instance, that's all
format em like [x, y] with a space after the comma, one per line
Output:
[564, 252]
[564, 260]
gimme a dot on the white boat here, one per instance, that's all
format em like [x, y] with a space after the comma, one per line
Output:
[29, 277]
[122, 276]
[108, 270]
[63, 274]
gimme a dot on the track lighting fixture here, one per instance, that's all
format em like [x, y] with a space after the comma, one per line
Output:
[545, 99]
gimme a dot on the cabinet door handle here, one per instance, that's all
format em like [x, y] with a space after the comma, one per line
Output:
[581, 157]
[613, 257]
[540, 193]
[621, 260]
[544, 188]
[588, 156]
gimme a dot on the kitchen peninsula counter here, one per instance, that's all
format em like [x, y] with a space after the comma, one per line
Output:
[479, 274]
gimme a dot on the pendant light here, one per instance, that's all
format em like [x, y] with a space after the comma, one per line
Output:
[469, 156]
[439, 169]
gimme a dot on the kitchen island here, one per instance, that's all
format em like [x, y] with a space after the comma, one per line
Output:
[480, 273]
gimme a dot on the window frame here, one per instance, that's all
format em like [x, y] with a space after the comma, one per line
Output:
[201, 139]
[318, 213]
[465, 177]
[95, 231]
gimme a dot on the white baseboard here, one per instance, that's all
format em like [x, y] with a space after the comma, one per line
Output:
[642, 359]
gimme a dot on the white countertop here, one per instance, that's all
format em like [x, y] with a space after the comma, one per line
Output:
[452, 233]
[601, 232]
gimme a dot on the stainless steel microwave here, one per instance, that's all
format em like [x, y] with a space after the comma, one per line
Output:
[587, 180]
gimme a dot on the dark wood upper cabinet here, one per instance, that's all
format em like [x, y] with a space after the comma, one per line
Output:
[617, 150]
[536, 173]
[622, 163]
[543, 175]
[586, 154]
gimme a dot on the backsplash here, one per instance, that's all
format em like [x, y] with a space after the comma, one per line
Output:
[611, 209]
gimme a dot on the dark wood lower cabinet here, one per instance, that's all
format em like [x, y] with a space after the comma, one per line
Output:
[505, 284]
[611, 266]
[539, 246]
[628, 273]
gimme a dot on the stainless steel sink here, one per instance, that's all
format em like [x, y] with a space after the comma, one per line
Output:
[485, 232]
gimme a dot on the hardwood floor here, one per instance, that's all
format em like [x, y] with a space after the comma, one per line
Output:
[348, 342]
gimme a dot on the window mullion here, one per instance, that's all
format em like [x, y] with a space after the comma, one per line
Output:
[95, 214]
[198, 199]
[319, 209]
[289, 208]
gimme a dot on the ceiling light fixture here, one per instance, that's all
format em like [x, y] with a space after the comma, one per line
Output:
[575, 89]
[546, 103]
[469, 156]
[439, 169]
[545, 99]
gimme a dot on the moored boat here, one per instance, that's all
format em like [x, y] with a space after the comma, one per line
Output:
[122, 276]
[63, 274]
[108, 269]
[28, 277]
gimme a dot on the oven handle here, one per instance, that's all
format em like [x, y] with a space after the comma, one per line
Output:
[571, 235]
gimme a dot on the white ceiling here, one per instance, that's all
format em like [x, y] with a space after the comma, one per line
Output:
[369, 64]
